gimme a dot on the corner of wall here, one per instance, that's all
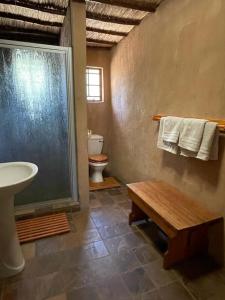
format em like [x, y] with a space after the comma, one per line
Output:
[78, 27]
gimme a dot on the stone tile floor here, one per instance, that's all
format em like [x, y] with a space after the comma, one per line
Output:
[104, 258]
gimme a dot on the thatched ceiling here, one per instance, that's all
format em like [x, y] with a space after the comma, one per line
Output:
[32, 20]
[107, 21]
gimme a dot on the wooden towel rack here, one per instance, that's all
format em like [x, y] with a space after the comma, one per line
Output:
[220, 123]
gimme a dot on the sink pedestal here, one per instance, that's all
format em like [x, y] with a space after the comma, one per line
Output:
[11, 257]
[14, 177]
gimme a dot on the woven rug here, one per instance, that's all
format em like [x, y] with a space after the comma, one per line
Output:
[40, 227]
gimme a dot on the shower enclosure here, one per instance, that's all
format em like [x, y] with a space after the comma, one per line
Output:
[37, 117]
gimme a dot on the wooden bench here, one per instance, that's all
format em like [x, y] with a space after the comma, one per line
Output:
[184, 220]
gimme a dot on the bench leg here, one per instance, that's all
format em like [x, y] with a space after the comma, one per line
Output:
[186, 244]
[136, 214]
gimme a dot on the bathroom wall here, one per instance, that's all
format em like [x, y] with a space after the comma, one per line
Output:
[65, 33]
[78, 35]
[99, 114]
[173, 63]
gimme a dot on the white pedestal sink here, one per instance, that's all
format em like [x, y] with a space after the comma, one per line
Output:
[14, 177]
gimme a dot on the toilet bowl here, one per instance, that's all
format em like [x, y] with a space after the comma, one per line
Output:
[97, 161]
[96, 171]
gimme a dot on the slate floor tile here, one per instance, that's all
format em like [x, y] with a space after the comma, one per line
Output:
[34, 289]
[116, 244]
[114, 192]
[103, 258]
[137, 281]
[87, 293]
[122, 198]
[78, 239]
[102, 268]
[175, 291]
[106, 216]
[83, 221]
[135, 239]
[159, 275]
[58, 297]
[47, 246]
[92, 195]
[107, 201]
[127, 241]
[29, 250]
[113, 288]
[153, 295]
[126, 261]
[146, 254]
[107, 232]
[208, 287]
[81, 255]
[76, 277]
[95, 203]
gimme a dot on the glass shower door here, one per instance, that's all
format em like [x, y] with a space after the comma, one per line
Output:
[34, 122]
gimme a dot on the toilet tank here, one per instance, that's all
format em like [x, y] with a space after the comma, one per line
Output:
[95, 144]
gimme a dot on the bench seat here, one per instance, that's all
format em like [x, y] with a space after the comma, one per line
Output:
[184, 220]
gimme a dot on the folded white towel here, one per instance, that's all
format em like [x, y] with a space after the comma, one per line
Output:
[164, 145]
[191, 135]
[197, 138]
[171, 129]
[209, 146]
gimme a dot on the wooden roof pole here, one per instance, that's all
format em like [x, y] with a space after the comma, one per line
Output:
[137, 5]
[112, 19]
[51, 8]
[112, 32]
[98, 41]
[29, 19]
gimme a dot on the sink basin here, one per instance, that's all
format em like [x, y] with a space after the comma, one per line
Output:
[14, 177]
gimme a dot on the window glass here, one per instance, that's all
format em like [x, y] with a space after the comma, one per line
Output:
[94, 84]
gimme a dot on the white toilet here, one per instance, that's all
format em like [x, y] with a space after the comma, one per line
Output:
[97, 161]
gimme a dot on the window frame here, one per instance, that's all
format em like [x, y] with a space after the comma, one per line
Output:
[101, 84]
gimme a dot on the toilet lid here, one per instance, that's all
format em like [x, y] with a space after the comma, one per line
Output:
[98, 158]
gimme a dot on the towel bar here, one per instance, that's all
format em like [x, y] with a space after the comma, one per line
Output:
[220, 123]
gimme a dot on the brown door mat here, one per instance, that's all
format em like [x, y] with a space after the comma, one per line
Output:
[41, 227]
[108, 183]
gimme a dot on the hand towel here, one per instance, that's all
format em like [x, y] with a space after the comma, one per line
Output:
[161, 144]
[171, 129]
[191, 135]
[209, 146]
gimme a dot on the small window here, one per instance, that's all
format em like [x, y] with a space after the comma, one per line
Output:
[94, 83]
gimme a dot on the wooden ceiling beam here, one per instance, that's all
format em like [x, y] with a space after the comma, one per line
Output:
[52, 9]
[31, 37]
[111, 19]
[98, 41]
[28, 19]
[137, 5]
[9, 28]
[105, 31]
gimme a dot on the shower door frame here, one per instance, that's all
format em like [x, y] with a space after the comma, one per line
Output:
[72, 155]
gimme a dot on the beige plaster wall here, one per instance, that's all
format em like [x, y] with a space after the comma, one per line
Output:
[173, 63]
[78, 26]
[99, 114]
[65, 32]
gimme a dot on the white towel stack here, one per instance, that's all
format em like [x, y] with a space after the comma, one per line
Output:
[189, 137]
[169, 132]
[210, 143]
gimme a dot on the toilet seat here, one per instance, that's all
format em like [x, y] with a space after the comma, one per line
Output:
[98, 158]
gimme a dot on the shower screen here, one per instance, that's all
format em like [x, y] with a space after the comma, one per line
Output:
[34, 122]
